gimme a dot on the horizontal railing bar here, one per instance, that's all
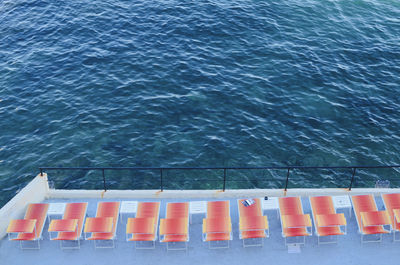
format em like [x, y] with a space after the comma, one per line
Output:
[218, 168]
[225, 169]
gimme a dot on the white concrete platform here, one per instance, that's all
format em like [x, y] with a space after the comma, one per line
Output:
[348, 250]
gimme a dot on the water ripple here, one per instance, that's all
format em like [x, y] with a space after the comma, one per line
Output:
[198, 83]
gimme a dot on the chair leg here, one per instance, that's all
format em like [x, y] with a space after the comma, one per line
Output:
[22, 247]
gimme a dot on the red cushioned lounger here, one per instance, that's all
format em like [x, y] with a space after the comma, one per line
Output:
[293, 220]
[143, 228]
[103, 227]
[252, 223]
[70, 227]
[392, 205]
[370, 221]
[327, 221]
[217, 226]
[175, 227]
[30, 228]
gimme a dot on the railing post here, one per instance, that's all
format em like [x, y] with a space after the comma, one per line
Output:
[161, 180]
[223, 188]
[287, 178]
[352, 178]
[104, 180]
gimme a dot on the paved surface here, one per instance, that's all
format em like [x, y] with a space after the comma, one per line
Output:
[348, 251]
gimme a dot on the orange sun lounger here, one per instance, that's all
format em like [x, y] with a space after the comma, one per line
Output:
[217, 226]
[370, 221]
[69, 228]
[103, 227]
[143, 228]
[392, 206]
[174, 228]
[293, 220]
[30, 228]
[252, 223]
[327, 221]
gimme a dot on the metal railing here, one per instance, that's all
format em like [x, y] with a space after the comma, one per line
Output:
[224, 170]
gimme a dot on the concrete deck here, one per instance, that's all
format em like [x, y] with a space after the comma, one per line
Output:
[348, 250]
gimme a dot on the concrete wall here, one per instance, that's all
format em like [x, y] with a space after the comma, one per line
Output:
[36, 191]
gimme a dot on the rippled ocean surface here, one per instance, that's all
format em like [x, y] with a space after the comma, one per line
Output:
[198, 83]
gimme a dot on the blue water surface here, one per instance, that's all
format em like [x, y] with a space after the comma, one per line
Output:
[198, 83]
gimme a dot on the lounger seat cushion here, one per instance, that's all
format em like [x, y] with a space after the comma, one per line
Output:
[289, 232]
[142, 237]
[101, 236]
[369, 230]
[175, 238]
[253, 234]
[218, 236]
[66, 236]
[25, 237]
[329, 231]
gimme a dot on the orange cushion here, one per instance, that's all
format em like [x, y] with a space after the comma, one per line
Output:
[253, 234]
[369, 230]
[329, 231]
[218, 236]
[66, 236]
[25, 236]
[142, 237]
[251, 210]
[217, 209]
[289, 232]
[148, 209]
[175, 238]
[177, 210]
[101, 236]
[290, 205]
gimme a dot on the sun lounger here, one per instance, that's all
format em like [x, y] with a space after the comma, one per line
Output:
[69, 228]
[370, 221]
[293, 220]
[174, 229]
[143, 228]
[392, 206]
[103, 227]
[252, 224]
[30, 228]
[217, 226]
[327, 222]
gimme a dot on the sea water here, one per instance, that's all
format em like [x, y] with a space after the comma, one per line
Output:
[198, 83]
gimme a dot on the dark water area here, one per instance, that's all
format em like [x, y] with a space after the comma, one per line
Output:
[198, 83]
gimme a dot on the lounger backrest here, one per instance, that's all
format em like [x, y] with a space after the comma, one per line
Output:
[392, 202]
[178, 210]
[251, 210]
[76, 211]
[109, 209]
[290, 206]
[322, 205]
[218, 209]
[363, 203]
[148, 209]
[38, 212]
